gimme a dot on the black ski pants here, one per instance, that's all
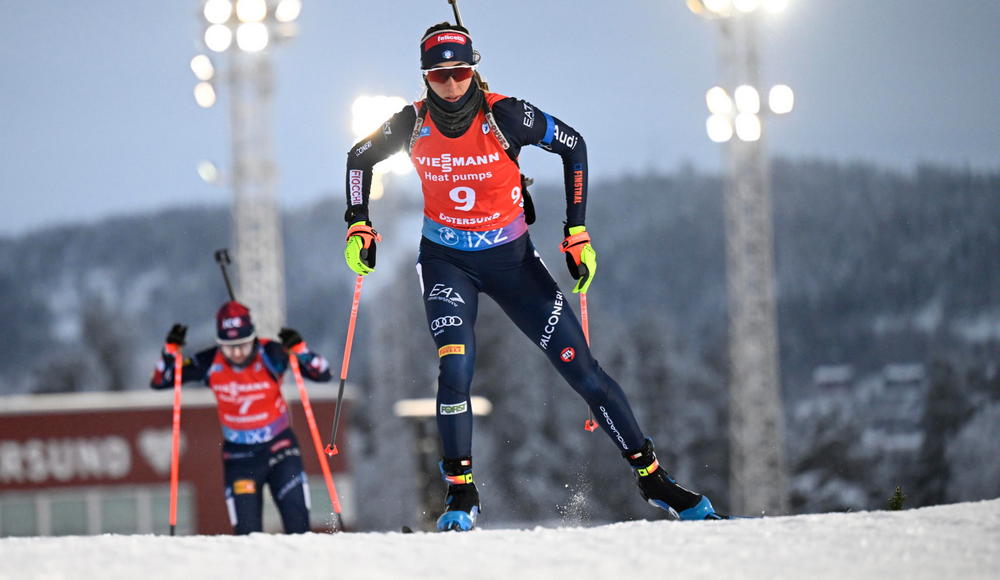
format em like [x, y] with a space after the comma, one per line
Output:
[277, 463]
[514, 276]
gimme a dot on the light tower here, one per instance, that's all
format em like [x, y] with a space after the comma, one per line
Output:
[244, 31]
[756, 421]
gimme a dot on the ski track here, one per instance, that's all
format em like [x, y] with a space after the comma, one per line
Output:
[951, 541]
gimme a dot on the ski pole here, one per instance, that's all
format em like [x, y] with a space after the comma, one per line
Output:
[458, 15]
[293, 363]
[331, 448]
[175, 441]
[589, 424]
[222, 258]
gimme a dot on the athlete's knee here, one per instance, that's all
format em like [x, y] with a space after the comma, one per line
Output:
[590, 387]
[456, 371]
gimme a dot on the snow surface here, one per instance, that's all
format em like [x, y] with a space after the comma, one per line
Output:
[951, 541]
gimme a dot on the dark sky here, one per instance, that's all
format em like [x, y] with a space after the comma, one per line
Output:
[98, 116]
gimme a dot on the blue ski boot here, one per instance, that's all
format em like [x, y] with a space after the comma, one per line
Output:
[462, 502]
[662, 491]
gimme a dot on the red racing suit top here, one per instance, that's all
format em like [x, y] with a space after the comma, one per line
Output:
[248, 400]
[250, 405]
[469, 182]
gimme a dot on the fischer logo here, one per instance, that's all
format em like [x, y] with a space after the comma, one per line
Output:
[550, 326]
[566, 139]
[446, 161]
[354, 181]
[611, 426]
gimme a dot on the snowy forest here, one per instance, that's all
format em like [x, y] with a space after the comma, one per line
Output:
[889, 330]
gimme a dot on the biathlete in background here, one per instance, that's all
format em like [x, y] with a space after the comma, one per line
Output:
[464, 144]
[259, 447]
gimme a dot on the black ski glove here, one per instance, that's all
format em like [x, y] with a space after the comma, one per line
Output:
[290, 338]
[177, 334]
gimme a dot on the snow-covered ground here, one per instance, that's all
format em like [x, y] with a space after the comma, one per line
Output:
[952, 541]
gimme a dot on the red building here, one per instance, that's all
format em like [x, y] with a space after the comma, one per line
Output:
[93, 463]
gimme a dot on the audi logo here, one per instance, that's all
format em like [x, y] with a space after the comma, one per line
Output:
[446, 321]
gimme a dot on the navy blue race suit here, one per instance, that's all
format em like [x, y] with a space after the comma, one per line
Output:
[455, 268]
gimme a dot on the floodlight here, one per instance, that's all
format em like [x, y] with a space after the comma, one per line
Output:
[746, 6]
[202, 67]
[748, 127]
[218, 37]
[217, 11]
[208, 172]
[718, 6]
[718, 101]
[775, 6]
[747, 99]
[288, 10]
[781, 99]
[204, 94]
[252, 36]
[368, 112]
[719, 128]
[251, 10]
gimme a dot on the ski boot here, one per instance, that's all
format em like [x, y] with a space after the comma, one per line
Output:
[462, 502]
[662, 491]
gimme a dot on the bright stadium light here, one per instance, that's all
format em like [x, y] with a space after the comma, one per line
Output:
[252, 36]
[202, 67]
[367, 115]
[746, 6]
[775, 6]
[747, 99]
[251, 10]
[218, 37]
[288, 10]
[719, 127]
[717, 6]
[781, 99]
[368, 112]
[748, 127]
[217, 11]
[204, 94]
[718, 101]
[244, 31]
[209, 173]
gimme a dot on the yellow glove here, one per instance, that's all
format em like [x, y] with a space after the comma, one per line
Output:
[360, 250]
[581, 258]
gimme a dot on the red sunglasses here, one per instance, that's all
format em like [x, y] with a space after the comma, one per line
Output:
[441, 75]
